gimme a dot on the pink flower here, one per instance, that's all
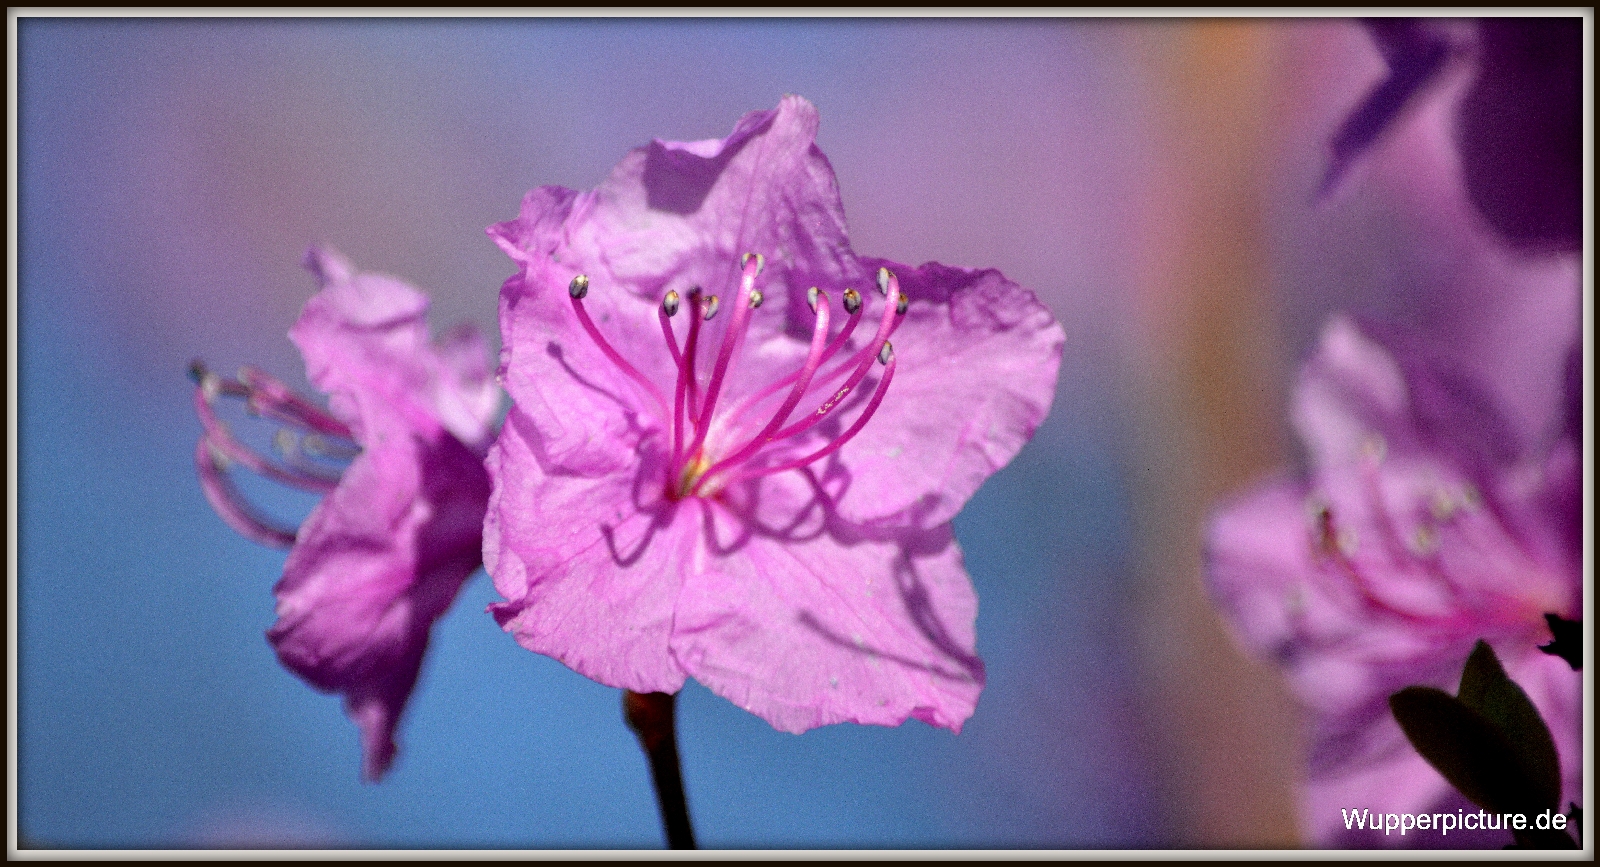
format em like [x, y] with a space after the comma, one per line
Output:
[721, 482]
[1423, 527]
[1519, 126]
[386, 551]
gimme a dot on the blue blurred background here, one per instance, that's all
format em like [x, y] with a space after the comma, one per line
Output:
[172, 173]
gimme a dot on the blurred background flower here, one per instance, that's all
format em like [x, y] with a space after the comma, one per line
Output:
[1151, 181]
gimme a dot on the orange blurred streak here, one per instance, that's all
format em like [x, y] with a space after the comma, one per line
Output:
[1211, 386]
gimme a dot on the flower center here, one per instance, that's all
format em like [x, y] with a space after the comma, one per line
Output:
[713, 445]
[1415, 552]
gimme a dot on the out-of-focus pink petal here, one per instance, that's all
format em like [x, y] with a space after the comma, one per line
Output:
[387, 550]
[1409, 542]
[378, 561]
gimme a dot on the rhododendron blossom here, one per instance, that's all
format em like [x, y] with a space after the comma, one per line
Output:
[400, 528]
[1422, 527]
[736, 447]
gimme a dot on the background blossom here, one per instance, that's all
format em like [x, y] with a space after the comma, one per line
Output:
[386, 551]
[1419, 530]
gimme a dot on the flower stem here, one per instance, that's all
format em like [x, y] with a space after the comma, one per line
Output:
[651, 716]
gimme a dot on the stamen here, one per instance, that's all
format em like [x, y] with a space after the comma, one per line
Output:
[669, 307]
[839, 441]
[861, 363]
[290, 446]
[696, 470]
[852, 302]
[319, 446]
[730, 341]
[691, 348]
[861, 360]
[217, 449]
[269, 398]
[577, 289]
[852, 305]
[225, 498]
[819, 335]
[223, 442]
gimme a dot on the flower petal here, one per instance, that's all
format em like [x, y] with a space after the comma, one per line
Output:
[977, 374]
[365, 340]
[385, 554]
[377, 562]
[805, 620]
[590, 565]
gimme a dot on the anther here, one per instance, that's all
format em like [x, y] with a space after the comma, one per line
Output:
[901, 302]
[886, 353]
[197, 368]
[761, 261]
[883, 281]
[852, 301]
[283, 442]
[669, 304]
[713, 303]
[756, 298]
[579, 286]
[811, 298]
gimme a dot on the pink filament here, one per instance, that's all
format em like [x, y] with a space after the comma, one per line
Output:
[731, 340]
[274, 400]
[231, 505]
[217, 447]
[862, 361]
[802, 380]
[621, 363]
[839, 441]
[218, 436]
[828, 353]
[690, 407]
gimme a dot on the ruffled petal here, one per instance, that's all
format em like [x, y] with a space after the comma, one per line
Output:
[590, 566]
[805, 620]
[384, 555]
[977, 374]
[377, 562]
[366, 343]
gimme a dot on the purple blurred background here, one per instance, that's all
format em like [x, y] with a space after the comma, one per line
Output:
[1152, 181]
